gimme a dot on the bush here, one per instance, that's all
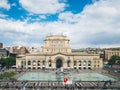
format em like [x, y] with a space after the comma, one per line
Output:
[7, 75]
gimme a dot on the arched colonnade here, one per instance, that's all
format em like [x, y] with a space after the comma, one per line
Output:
[40, 64]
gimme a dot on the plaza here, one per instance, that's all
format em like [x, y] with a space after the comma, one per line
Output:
[29, 80]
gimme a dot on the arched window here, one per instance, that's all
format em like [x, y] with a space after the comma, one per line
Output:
[34, 63]
[75, 63]
[94, 61]
[29, 62]
[43, 62]
[84, 65]
[39, 63]
[89, 64]
[68, 63]
[50, 63]
[80, 63]
[98, 66]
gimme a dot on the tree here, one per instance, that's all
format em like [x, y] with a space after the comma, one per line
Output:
[114, 60]
[8, 62]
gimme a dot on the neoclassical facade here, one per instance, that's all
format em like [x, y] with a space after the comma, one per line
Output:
[57, 54]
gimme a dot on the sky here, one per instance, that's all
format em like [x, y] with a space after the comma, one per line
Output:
[87, 23]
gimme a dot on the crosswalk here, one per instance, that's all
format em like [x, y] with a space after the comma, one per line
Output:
[55, 85]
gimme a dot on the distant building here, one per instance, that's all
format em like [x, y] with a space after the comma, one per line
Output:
[56, 54]
[4, 53]
[17, 50]
[1, 45]
[34, 49]
[109, 53]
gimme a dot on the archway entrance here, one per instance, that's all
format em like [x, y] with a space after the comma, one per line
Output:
[59, 63]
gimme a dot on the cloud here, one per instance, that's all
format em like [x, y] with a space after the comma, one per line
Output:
[2, 15]
[13, 5]
[25, 43]
[4, 4]
[98, 25]
[43, 6]
[21, 31]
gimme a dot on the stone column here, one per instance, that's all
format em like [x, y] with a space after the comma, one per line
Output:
[92, 64]
[31, 64]
[36, 64]
[26, 64]
[86, 64]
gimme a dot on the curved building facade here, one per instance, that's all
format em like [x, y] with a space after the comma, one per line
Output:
[57, 54]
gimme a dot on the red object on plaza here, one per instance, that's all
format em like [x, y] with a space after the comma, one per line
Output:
[65, 80]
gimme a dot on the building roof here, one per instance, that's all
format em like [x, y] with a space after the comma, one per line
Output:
[56, 37]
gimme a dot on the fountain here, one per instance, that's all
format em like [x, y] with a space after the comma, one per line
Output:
[61, 72]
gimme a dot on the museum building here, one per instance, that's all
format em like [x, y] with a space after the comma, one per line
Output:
[57, 53]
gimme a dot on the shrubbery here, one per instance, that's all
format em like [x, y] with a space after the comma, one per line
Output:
[7, 75]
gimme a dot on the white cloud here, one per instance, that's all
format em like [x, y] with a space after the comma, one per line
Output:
[98, 25]
[2, 15]
[25, 43]
[4, 4]
[13, 5]
[42, 6]
[69, 17]
[42, 17]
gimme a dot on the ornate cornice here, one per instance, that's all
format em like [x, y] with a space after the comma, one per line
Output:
[59, 53]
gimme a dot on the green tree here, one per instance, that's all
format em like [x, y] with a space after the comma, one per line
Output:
[114, 60]
[8, 62]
